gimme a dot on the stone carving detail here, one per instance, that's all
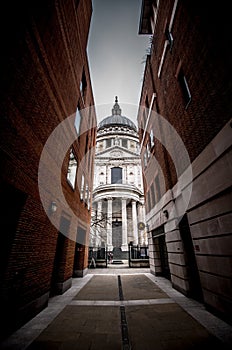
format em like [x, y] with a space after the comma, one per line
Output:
[116, 154]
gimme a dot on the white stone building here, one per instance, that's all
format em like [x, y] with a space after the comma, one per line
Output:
[118, 198]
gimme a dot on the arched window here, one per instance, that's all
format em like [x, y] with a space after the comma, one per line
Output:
[116, 175]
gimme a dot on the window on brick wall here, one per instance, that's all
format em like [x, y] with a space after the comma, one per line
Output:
[83, 85]
[148, 151]
[169, 37]
[72, 169]
[145, 115]
[77, 122]
[86, 194]
[184, 88]
[151, 139]
[82, 187]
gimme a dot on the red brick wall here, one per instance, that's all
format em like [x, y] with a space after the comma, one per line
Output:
[44, 54]
[201, 45]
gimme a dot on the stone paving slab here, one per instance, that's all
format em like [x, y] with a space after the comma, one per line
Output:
[89, 316]
[82, 328]
[166, 327]
[137, 287]
[100, 288]
[159, 327]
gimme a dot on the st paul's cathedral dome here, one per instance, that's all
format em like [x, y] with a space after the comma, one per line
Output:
[116, 118]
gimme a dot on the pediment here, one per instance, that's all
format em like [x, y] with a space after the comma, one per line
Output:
[116, 152]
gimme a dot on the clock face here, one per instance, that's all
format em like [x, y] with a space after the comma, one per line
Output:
[141, 225]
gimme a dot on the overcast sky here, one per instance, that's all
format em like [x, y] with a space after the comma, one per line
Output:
[116, 53]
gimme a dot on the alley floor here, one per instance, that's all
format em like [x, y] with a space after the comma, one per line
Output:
[121, 308]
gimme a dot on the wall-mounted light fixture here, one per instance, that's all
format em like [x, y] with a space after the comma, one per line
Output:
[53, 207]
[166, 214]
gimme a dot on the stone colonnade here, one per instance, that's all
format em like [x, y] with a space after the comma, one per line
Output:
[138, 215]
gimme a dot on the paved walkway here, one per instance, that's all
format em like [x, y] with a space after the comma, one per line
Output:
[121, 308]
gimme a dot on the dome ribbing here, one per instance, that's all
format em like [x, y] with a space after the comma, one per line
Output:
[116, 119]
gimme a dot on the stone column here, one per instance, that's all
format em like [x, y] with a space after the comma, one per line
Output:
[124, 226]
[99, 216]
[126, 175]
[124, 179]
[99, 210]
[108, 178]
[140, 219]
[109, 223]
[134, 219]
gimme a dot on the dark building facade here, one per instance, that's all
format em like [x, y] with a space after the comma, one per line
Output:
[185, 134]
[45, 84]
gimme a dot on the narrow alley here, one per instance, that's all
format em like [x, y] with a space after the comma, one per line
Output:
[115, 175]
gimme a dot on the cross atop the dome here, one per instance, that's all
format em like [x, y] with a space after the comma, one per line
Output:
[116, 109]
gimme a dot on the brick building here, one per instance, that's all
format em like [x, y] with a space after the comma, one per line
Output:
[185, 134]
[45, 83]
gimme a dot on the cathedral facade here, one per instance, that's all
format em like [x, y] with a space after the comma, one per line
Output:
[118, 212]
